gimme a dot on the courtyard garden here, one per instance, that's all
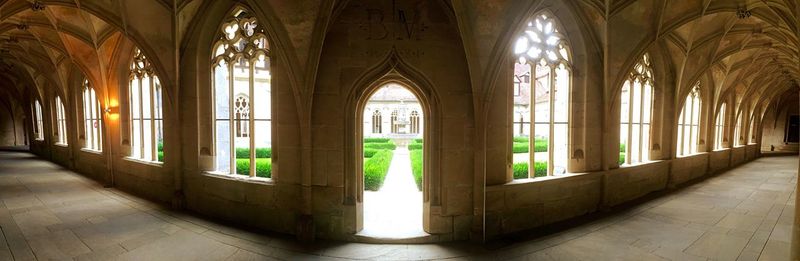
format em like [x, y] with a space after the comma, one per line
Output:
[378, 153]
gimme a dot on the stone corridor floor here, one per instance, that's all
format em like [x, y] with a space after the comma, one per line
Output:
[395, 210]
[51, 213]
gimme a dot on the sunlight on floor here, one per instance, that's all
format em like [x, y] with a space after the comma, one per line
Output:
[395, 211]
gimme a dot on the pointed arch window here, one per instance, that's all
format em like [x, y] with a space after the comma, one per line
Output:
[376, 122]
[543, 56]
[689, 123]
[146, 110]
[38, 123]
[414, 122]
[719, 128]
[636, 109]
[61, 123]
[740, 137]
[241, 76]
[753, 128]
[92, 119]
[394, 122]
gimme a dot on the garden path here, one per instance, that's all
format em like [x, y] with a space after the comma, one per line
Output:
[394, 211]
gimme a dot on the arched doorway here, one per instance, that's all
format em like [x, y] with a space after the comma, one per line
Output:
[392, 166]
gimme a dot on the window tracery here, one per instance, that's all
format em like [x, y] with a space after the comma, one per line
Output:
[93, 124]
[719, 130]
[146, 100]
[542, 53]
[636, 112]
[689, 123]
[241, 76]
[61, 123]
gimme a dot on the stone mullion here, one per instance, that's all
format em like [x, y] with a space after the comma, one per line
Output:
[231, 131]
[251, 119]
[551, 125]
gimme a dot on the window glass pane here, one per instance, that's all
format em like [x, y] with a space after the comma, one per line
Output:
[561, 103]
[136, 140]
[221, 91]
[540, 150]
[241, 90]
[158, 119]
[647, 104]
[147, 151]
[681, 130]
[146, 100]
[635, 142]
[135, 100]
[223, 145]
[262, 108]
[637, 102]
[645, 142]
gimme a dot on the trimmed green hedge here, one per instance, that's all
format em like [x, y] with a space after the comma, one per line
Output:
[417, 140]
[160, 150]
[521, 145]
[415, 146]
[622, 147]
[244, 153]
[380, 146]
[375, 169]
[376, 140]
[621, 158]
[416, 167]
[368, 153]
[521, 170]
[263, 167]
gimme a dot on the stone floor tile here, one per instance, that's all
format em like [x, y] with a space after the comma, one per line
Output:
[743, 214]
[244, 255]
[717, 246]
[183, 245]
[775, 250]
[57, 245]
[740, 222]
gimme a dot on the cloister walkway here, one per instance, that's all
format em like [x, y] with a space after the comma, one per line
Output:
[51, 213]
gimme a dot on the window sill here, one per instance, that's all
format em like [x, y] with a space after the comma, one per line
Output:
[691, 155]
[639, 164]
[542, 179]
[239, 178]
[140, 161]
[98, 152]
[39, 140]
[62, 145]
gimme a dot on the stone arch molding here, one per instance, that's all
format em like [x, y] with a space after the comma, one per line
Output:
[391, 69]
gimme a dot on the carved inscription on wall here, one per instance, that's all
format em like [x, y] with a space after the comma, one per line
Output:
[395, 21]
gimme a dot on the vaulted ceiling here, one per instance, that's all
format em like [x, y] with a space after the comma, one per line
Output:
[748, 47]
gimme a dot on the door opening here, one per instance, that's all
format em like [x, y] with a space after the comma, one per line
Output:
[392, 167]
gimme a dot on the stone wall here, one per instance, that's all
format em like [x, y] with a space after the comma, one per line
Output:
[523, 205]
[455, 56]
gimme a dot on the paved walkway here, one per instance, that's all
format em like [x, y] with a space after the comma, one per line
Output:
[394, 211]
[51, 213]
